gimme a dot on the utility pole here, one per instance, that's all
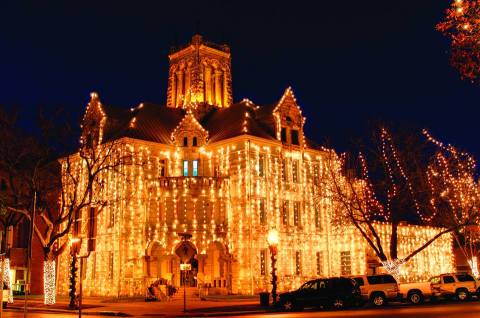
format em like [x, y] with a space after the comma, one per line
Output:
[29, 255]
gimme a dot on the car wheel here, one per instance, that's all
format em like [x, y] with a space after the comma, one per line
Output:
[288, 305]
[378, 300]
[415, 297]
[462, 295]
[338, 303]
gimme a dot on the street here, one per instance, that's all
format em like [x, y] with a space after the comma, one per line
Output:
[443, 310]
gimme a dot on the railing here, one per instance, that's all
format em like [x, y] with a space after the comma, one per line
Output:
[192, 182]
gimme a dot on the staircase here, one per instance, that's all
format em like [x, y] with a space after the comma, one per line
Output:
[190, 292]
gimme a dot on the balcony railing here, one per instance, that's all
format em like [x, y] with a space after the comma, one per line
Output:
[192, 182]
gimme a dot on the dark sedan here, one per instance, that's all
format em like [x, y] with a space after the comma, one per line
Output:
[337, 292]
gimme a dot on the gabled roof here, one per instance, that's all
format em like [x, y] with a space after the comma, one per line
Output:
[156, 123]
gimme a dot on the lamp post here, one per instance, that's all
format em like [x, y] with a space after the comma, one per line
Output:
[272, 239]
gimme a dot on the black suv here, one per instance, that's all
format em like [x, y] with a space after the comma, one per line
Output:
[336, 292]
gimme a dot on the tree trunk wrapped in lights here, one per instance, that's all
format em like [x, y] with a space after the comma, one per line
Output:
[6, 278]
[49, 276]
[72, 293]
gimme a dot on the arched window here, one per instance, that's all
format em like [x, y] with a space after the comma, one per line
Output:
[194, 142]
[185, 141]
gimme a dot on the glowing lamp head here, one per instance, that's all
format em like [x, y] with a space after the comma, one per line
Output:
[272, 237]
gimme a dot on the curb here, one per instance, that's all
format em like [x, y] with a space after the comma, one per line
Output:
[226, 313]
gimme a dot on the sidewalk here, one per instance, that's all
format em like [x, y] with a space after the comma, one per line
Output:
[216, 306]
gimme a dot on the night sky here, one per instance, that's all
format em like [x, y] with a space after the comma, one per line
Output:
[350, 63]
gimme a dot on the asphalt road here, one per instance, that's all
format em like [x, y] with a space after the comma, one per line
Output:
[442, 310]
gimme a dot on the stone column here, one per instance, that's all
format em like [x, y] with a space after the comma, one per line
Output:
[208, 84]
[173, 90]
[218, 87]
[179, 88]
[187, 89]
[225, 89]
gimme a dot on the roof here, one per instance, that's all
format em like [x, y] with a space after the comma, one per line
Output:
[156, 123]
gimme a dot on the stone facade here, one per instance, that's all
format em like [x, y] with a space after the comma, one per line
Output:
[225, 173]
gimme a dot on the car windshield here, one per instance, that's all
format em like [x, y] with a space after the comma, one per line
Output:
[307, 285]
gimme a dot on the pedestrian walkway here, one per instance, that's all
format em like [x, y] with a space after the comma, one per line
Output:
[218, 306]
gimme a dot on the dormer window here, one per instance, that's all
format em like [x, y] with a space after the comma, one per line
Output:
[194, 142]
[294, 136]
[185, 141]
[284, 134]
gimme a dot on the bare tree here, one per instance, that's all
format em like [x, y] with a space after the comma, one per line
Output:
[454, 187]
[54, 192]
[396, 191]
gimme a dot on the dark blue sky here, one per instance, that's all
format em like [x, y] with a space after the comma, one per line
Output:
[350, 63]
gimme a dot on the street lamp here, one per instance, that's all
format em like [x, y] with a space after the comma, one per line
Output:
[272, 239]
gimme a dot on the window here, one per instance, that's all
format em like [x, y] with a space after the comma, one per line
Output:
[3, 185]
[261, 163]
[435, 280]
[284, 170]
[110, 265]
[111, 218]
[465, 278]
[194, 142]
[298, 263]
[285, 208]
[295, 171]
[185, 168]
[162, 168]
[185, 141]
[319, 263]
[294, 137]
[345, 263]
[263, 214]
[359, 281]
[283, 134]
[296, 213]
[263, 262]
[448, 279]
[318, 220]
[381, 279]
[94, 265]
[195, 168]
[316, 171]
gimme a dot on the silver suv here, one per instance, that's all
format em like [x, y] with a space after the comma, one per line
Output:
[378, 289]
[461, 286]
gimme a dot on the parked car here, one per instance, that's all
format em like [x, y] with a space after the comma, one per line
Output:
[460, 286]
[336, 292]
[378, 289]
[416, 293]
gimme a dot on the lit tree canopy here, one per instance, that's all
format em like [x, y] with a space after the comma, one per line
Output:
[462, 26]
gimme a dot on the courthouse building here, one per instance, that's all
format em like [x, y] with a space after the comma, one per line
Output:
[226, 172]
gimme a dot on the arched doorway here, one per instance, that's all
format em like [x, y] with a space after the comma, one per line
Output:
[217, 268]
[159, 263]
